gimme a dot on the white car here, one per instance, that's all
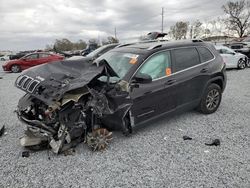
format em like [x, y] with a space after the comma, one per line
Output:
[4, 58]
[232, 58]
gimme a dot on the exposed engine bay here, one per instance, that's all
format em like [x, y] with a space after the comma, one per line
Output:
[67, 103]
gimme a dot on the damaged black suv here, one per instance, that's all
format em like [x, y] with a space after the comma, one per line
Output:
[75, 101]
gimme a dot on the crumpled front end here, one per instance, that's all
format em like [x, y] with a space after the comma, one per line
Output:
[61, 113]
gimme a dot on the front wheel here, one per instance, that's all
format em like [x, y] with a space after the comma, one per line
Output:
[211, 99]
[15, 68]
[241, 64]
[248, 63]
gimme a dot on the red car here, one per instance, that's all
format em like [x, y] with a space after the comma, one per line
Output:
[30, 60]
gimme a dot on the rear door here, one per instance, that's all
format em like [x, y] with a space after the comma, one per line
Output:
[157, 97]
[44, 58]
[191, 72]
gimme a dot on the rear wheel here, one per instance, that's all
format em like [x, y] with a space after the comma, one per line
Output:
[15, 68]
[241, 64]
[211, 99]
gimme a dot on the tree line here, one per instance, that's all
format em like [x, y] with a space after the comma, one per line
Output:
[234, 22]
[67, 45]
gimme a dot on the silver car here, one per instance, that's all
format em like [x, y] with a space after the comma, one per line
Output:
[232, 58]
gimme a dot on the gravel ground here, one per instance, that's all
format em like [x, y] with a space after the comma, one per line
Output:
[155, 156]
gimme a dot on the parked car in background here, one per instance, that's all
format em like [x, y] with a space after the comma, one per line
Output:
[246, 41]
[120, 90]
[96, 53]
[30, 60]
[5, 58]
[232, 58]
[240, 48]
[90, 48]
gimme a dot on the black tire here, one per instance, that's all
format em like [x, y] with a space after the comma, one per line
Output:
[15, 68]
[248, 63]
[126, 128]
[211, 99]
[241, 64]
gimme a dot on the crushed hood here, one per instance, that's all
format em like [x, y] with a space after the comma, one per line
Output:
[49, 82]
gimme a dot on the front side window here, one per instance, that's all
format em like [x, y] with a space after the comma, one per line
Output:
[226, 51]
[158, 66]
[205, 54]
[32, 56]
[185, 58]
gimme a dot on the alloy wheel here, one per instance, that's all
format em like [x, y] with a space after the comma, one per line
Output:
[242, 64]
[15, 68]
[213, 99]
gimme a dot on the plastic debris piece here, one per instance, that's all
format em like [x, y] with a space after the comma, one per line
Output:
[25, 154]
[187, 138]
[215, 142]
[70, 151]
[2, 130]
[206, 151]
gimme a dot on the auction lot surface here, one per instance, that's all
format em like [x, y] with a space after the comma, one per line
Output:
[155, 156]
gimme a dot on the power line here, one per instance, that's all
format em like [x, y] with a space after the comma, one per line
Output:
[162, 18]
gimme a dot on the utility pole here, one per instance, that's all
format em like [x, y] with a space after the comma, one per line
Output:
[162, 18]
[115, 33]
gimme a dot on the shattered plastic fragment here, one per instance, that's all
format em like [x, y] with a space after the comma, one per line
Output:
[187, 138]
[25, 154]
[2, 131]
[215, 142]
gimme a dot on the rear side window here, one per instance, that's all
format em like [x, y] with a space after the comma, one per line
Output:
[43, 55]
[185, 58]
[205, 54]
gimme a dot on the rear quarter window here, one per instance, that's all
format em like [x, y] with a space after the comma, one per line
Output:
[205, 54]
[185, 58]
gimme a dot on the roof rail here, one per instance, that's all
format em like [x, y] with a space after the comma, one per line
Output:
[122, 45]
[141, 42]
[155, 46]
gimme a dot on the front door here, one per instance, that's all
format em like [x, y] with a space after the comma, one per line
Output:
[154, 98]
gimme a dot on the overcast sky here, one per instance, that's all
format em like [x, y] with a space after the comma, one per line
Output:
[31, 24]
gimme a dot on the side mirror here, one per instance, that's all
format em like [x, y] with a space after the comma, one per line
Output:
[142, 78]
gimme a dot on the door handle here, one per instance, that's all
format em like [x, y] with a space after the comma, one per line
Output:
[170, 82]
[204, 70]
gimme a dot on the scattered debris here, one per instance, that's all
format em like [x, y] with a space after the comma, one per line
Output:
[99, 139]
[25, 154]
[206, 151]
[215, 142]
[165, 138]
[2, 130]
[187, 138]
[181, 130]
[70, 151]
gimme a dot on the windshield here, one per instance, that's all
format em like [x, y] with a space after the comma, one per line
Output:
[120, 62]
